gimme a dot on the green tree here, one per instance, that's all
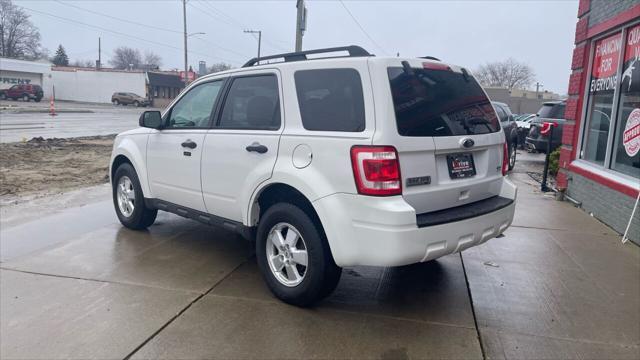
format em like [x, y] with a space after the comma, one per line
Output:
[60, 58]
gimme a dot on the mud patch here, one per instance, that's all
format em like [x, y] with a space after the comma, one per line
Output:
[53, 165]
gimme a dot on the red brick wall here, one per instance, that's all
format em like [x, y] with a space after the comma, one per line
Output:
[583, 7]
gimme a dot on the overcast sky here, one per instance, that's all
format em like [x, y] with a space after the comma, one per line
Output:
[467, 33]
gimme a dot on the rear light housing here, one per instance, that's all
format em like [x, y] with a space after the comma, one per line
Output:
[376, 170]
[505, 159]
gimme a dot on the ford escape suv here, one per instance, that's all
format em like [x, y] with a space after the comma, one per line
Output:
[325, 162]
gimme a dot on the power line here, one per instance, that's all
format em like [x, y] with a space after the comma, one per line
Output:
[119, 19]
[120, 33]
[363, 30]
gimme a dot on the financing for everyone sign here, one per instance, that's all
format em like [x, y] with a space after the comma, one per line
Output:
[605, 64]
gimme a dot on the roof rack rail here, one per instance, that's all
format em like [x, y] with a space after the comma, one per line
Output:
[430, 58]
[353, 50]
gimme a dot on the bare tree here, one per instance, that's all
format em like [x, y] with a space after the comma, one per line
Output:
[219, 67]
[509, 73]
[152, 59]
[125, 58]
[82, 63]
[19, 38]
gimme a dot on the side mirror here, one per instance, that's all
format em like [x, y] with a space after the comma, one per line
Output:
[151, 119]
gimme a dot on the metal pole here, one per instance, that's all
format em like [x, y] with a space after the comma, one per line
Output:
[99, 53]
[259, 41]
[543, 186]
[299, 24]
[184, 18]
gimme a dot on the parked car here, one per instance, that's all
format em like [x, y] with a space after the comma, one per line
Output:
[127, 98]
[552, 111]
[524, 124]
[26, 92]
[508, 125]
[325, 163]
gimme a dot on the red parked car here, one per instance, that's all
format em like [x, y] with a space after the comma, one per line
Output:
[25, 92]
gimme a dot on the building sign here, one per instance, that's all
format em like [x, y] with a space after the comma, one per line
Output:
[631, 69]
[605, 64]
[14, 80]
[191, 75]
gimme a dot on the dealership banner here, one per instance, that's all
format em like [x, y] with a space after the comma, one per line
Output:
[631, 69]
[605, 64]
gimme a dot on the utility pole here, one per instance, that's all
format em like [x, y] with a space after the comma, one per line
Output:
[184, 18]
[259, 32]
[99, 64]
[538, 86]
[301, 23]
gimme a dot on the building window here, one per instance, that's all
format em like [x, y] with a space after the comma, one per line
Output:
[626, 143]
[155, 91]
[611, 132]
[602, 87]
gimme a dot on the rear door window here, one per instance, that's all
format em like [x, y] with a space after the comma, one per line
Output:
[252, 103]
[434, 102]
[330, 100]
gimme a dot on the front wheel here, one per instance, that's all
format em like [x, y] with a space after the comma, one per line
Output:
[128, 200]
[294, 256]
[512, 155]
[136, 104]
[25, 98]
[116, 102]
[3, 96]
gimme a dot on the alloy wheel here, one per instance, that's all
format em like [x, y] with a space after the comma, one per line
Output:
[126, 196]
[287, 254]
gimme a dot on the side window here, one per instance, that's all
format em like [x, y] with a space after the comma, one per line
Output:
[330, 99]
[193, 110]
[252, 103]
[501, 114]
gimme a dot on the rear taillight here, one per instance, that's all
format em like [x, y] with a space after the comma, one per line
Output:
[505, 159]
[376, 170]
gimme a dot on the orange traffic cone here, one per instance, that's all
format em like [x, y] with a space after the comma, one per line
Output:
[52, 107]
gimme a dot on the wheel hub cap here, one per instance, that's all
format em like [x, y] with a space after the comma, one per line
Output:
[287, 254]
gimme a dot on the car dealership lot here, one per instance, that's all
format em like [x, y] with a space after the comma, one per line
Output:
[557, 285]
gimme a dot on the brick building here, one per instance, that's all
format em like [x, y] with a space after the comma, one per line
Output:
[600, 155]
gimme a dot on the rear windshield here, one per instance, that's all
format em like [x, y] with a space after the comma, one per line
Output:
[440, 103]
[552, 111]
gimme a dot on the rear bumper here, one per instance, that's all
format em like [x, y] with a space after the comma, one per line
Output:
[379, 231]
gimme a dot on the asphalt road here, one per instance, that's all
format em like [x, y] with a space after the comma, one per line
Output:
[21, 121]
[76, 284]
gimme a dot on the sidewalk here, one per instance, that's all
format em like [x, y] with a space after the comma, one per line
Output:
[559, 285]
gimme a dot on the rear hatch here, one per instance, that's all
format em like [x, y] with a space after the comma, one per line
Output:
[447, 134]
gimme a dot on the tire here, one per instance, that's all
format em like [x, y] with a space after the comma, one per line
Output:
[3, 96]
[321, 275]
[38, 99]
[512, 155]
[116, 102]
[140, 217]
[136, 104]
[25, 98]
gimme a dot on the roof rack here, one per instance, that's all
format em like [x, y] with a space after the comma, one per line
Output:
[353, 50]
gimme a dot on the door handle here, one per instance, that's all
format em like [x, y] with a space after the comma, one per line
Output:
[256, 147]
[189, 144]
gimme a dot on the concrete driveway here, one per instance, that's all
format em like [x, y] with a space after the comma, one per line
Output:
[75, 284]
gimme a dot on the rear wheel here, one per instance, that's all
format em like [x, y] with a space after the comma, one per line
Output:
[3, 96]
[294, 257]
[136, 103]
[128, 200]
[512, 155]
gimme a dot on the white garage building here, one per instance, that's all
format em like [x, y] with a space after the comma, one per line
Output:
[70, 83]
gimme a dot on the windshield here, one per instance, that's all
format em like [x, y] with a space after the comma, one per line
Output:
[430, 102]
[552, 111]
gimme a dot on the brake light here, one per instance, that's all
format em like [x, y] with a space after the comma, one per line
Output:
[505, 159]
[376, 170]
[435, 66]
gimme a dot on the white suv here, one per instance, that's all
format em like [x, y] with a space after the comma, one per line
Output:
[325, 162]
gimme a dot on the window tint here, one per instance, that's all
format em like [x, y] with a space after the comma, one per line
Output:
[430, 102]
[193, 110]
[502, 115]
[330, 99]
[252, 103]
[552, 111]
